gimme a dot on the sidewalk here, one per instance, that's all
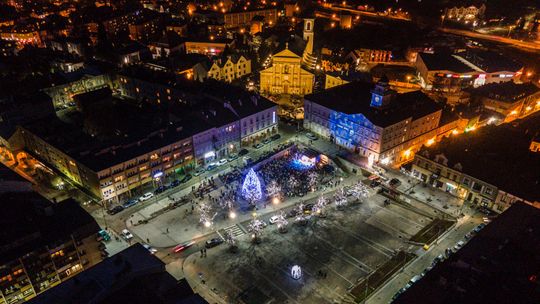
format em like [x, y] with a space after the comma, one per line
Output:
[448, 240]
[183, 224]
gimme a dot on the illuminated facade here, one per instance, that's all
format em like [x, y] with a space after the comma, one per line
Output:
[375, 123]
[286, 75]
[230, 69]
[210, 48]
[243, 18]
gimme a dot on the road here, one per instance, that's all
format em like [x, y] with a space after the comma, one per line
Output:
[512, 42]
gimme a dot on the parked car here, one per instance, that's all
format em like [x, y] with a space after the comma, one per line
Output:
[266, 141]
[183, 246]
[232, 157]
[222, 162]
[185, 179]
[126, 235]
[374, 183]
[175, 183]
[257, 146]
[160, 189]
[273, 219]
[103, 236]
[115, 210]
[198, 172]
[213, 242]
[311, 136]
[243, 152]
[292, 213]
[394, 182]
[131, 202]
[275, 137]
[308, 208]
[211, 166]
[146, 196]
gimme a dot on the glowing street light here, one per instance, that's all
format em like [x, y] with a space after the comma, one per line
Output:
[232, 215]
[275, 201]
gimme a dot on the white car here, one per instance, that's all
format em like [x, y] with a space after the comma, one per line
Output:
[146, 196]
[126, 235]
[222, 161]
[150, 249]
[273, 219]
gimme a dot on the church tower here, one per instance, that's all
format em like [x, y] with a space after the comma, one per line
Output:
[308, 58]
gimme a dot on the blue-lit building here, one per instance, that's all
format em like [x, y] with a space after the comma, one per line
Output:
[373, 120]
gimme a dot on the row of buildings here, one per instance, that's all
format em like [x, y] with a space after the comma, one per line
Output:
[166, 129]
[442, 147]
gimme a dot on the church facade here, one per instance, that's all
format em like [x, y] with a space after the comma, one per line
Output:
[287, 74]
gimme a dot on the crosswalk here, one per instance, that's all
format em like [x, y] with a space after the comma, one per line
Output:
[236, 230]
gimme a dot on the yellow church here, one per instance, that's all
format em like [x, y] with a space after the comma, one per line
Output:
[287, 75]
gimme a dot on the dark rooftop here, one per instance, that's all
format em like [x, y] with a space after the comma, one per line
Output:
[490, 61]
[28, 222]
[497, 155]
[444, 62]
[500, 264]
[355, 98]
[131, 276]
[88, 136]
[506, 91]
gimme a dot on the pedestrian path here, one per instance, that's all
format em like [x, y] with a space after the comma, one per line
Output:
[235, 230]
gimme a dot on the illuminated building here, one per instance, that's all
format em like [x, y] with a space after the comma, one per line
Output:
[373, 121]
[334, 79]
[465, 14]
[227, 69]
[210, 47]
[492, 167]
[512, 100]
[287, 75]
[81, 81]
[452, 73]
[366, 56]
[243, 18]
[133, 273]
[43, 244]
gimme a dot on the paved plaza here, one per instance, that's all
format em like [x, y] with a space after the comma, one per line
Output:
[334, 253]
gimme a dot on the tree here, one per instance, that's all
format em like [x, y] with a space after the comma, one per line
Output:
[251, 188]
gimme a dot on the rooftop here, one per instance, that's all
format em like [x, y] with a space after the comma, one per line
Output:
[499, 265]
[506, 91]
[490, 61]
[28, 222]
[90, 135]
[131, 276]
[444, 62]
[355, 98]
[498, 155]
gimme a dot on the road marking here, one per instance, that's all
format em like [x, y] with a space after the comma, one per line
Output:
[235, 230]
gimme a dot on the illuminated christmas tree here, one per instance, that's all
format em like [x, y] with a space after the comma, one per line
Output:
[251, 189]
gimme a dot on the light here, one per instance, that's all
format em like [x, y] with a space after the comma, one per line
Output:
[275, 201]
[209, 154]
[296, 272]
[529, 74]
[232, 215]
[408, 77]
[528, 108]
[251, 189]
[274, 117]
[254, 214]
[430, 142]
[455, 132]
[513, 112]
[207, 224]
[407, 153]
[158, 174]
[385, 161]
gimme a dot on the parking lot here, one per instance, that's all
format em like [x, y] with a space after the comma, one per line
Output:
[335, 253]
